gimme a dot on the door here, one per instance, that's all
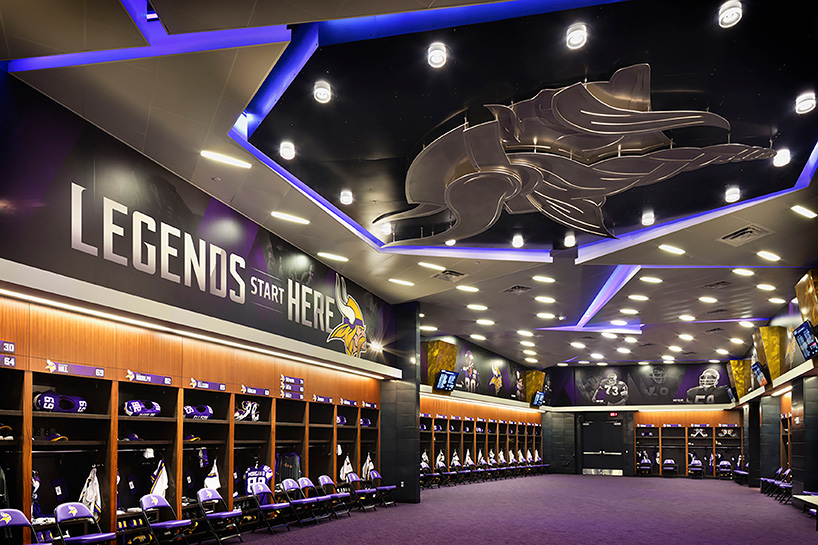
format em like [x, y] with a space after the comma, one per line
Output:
[603, 445]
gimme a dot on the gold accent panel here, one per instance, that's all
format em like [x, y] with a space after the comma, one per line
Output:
[741, 370]
[807, 294]
[770, 343]
[440, 355]
[533, 381]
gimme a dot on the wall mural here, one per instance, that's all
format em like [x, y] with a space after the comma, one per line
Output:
[560, 153]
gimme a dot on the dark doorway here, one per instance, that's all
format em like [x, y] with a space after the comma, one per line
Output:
[603, 444]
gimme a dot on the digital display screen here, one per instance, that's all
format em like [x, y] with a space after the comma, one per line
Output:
[539, 399]
[446, 380]
[805, 337]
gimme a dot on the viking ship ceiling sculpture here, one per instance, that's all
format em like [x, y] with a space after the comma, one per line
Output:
[560, 153]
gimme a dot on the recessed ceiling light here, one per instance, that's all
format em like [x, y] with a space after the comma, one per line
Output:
[777, 300]
[562, 364]
[527, 343]
[524, 333]
[427, 328]
[630, 340]
[545, 315]
[650, 279]
[630, 311]
[576, 36]
[289, 217]
[668, 357]
[226, 159]
[451, 242]
[421, 315]
[386, 228]
[476, 307]
[766, 287]
[805, 103]
[477, 337]
[768, 255]
[608, 335]
[346, 197]
[722, 351]
[782, 158]
[569, 241]
[431, 266]
[706, 299]
[729, 14]
[597, 356]
[644, 363]
[333, 257]
[671, 249]
[544, 299]
[322, 92]
[484, 321]
[736, 340]
[470, 289]
[638, 297]
[401, 282]
[686, 318]
[601, 363]
[583, 362]
[675, 348]
[436, 55]
[648, 218]
[545, 279]
[686, 337]
[531, 360]
[286, 150]
[713, 361]
[530, 352]
[517, 241]
[619, 322]
[732, 194]
[806, 212]
[746, 324]
[743, 272]
[623, 350]
[577, 344]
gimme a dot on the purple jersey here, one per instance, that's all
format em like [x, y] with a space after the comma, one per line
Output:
[253, 475]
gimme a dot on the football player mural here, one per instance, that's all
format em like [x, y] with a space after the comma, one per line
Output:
[708, 391]
[471, 377]
[352, 330]
[611, 391]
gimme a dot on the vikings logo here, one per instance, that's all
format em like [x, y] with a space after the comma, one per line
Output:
[5, 518]
[72, 510]
[352, 330]
[50, 367]
[129, 375]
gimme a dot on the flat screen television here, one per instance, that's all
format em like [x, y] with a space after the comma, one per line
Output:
[805, 337]
[538, 399]
[445, 380]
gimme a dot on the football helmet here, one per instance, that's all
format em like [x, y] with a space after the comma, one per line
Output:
[709, 379]
[612, 379]
[199, 412]
[658, 374]
[247, 410]
[136, 407]
[52, 401]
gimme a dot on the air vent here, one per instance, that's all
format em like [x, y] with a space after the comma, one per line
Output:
[717, 285]
[517, 289]
[448, 275]
[714, 330]
[588, 338]
[690, 353]
[647, 345]
[717, 311]
[744, 235]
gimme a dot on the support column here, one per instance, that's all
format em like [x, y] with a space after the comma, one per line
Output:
[770, 435]
[400, 406]
[752, 424]
[559, 443]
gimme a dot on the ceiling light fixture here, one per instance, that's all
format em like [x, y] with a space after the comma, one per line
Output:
[597, 356]
[782, 391]
[686, 337]
[333, 257]
[576, 36]
[736, 340]
[743, 272]
[805, 103]
[602, 363]
[470, 289]
[782, 158]
[638, 297]
[477, 337]
[806, 212]
[623, 350]
[707, 299]
[722, 351]
[544, 279]
[630, 311]
[583, 362]
[674, 348]
[431, 266]
[686, 318]
[729, 14]
[226, 159]
[346, 197]
[732, 194]
[562, 364]
[713, 361]
[485, 321]
[746, 324]
[569, 241]
[322, 92]
[290, 217]
[421, 315]
[546, 315]
[671, 249]
[777, 300]
[386, 228]
[477, 307]
[517, 241]
[286, 150]
[529, 352]
[527, 343]
[619, 322]
[531, 360]
[768, 255]
[450, 242]
[648, 218]
[630, 340]
[401, 282]
[650, 279]
[644, 363]
[436, 55]
[668, 357]
[524, 333]
[544, 299]
[427, 328]
[608, 335]
[577, 344]
[766, 287]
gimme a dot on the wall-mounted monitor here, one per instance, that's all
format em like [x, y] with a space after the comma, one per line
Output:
[445, 380]
[805, 337]
[538, 399]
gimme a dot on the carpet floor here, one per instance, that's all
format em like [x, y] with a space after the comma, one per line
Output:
[568, 510]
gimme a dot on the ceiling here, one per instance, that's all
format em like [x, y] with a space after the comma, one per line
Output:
[389, 105]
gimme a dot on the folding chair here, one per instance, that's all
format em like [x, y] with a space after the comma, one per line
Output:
[774, 488]
[302, 506]
[12, 518]
[644, 467]
[362, 497]
[384, 492]
[163, 524]
[767, 482]
[323, 507]
[428, 478]
[340, 500]
[725, 470]
[271, 511]
[220, 520]
[78, 518]
[669, 468]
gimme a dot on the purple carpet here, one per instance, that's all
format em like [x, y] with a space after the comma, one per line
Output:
[571, 509]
